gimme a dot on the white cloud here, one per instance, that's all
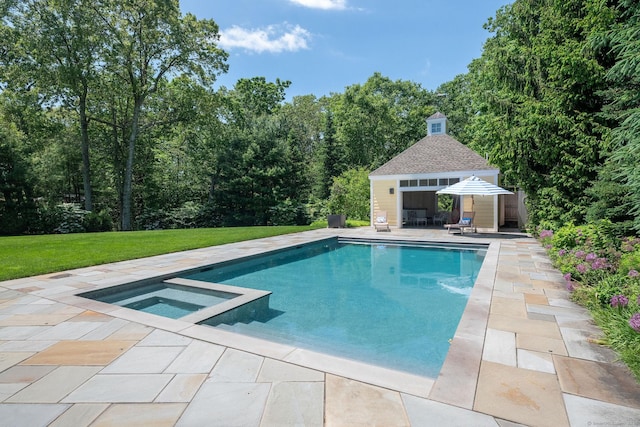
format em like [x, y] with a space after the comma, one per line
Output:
[322, 4]
[274, 38]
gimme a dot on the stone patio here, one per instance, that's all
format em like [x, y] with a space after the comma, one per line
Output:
[522, 355]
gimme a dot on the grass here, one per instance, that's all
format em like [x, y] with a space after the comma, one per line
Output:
[24, 256]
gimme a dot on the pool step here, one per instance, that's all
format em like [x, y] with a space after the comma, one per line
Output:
[248, 329]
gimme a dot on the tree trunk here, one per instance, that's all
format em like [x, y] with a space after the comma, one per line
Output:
[86, 169]
[128, 173]
[117, 161]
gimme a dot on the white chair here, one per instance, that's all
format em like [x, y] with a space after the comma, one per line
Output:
[380, 221]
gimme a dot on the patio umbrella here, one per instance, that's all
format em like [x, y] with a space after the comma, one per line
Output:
[473, 186]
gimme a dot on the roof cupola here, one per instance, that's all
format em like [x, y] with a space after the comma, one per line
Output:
[437, 124]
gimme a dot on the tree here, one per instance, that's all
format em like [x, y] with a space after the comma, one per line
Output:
[258, 97]
[254, 169]
[379, 119]
[149, 42]
[623, 107]
[59, 43]
[261, 159]
[350, 194]
[535, 89]
[330, 160]
[179, 152]
[16, 205]
[454, 100]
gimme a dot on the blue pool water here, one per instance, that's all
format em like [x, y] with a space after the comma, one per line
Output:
[390, 305]
[163, 299]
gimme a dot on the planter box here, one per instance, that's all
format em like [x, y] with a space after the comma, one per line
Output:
[337, 221]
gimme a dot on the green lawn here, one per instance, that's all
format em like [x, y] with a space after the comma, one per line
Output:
[24, 256]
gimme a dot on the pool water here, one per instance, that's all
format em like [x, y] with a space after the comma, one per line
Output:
[166, 307]
[164, 299]
[391, 305]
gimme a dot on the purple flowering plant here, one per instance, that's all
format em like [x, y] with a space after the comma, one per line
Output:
[546, 234]
[619, 301]
[634, 322]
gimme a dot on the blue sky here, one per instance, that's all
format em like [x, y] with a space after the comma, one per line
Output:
[323, 46]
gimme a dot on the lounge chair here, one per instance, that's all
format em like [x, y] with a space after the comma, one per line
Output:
[466, 222]
[380, 221]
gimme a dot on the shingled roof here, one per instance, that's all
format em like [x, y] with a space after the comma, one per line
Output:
[434, 154]
[437, 115]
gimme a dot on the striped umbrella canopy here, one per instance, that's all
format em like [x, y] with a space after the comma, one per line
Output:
[473, 186]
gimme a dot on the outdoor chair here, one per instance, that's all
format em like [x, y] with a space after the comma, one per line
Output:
[380, 221]
[421, 217]
[466, 222]
[441, 218]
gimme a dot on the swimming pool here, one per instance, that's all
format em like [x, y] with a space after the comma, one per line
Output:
[391, 304]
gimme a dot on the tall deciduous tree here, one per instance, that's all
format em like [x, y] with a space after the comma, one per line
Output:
[379, 119]
[151, 41]
[57, 45]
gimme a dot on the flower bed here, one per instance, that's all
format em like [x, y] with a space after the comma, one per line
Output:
[601, 271]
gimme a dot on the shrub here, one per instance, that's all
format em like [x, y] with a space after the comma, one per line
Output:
[350, 194]
[152, 219]
[185, 216]
[317, 209]
[209, 216]
[289, 213]
[100, 221]
[566, 237]
[620, 333]
[70, 218]
[596, 236]
[630, 259]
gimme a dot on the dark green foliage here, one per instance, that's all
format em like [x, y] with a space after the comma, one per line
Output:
[289, 213]
[98, 221]
[331, 160]
[379, 119]
[611, 200]
[535, 90]
[623, 96]
[17, 209]
[254, 172]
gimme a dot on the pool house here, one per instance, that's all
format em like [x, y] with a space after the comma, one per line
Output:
[405, 187]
